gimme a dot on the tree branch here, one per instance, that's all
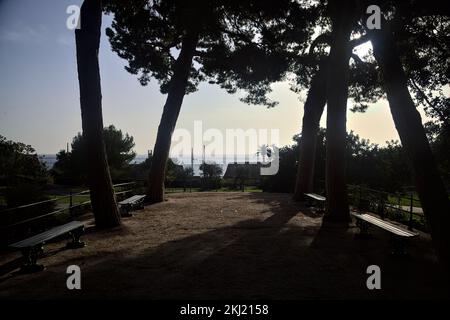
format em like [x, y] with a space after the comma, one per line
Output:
[356, 58]
[323, 38]
[359, 41]
[425, 97]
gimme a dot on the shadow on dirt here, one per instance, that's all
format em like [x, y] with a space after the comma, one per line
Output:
[254, 259]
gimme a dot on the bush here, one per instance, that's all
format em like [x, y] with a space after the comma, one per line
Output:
[24, 193]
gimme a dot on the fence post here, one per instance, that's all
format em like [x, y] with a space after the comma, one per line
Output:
[381, 206]
[411, 213]
[360, 198]
[70, 202]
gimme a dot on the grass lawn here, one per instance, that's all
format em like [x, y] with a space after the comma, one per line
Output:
[177, 190]
[65, 200]
[405, 201]
[222, 189]
[253, 189]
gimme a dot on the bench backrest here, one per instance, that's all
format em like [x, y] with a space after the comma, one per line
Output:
[132, 199]
[47, 235]
[385, 225]
[316, 196]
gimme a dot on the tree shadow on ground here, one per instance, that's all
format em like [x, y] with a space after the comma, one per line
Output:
[252, 259]
[279, 204]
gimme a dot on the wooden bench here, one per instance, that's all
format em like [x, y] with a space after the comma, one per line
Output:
[316, 198]
[130, 204]
[32, 247]
[399, 235]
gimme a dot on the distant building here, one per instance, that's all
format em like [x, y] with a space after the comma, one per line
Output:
[243, 173]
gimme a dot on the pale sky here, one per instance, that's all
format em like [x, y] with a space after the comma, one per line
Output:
[39, 98]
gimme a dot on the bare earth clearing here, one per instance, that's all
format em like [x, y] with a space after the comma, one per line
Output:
[228, 245]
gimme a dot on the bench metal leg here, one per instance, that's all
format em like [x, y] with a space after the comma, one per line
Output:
[363, 228]
[399, 246]
[321, 207]
[140, 205]
[76, 242]
[30, 256]
[125, 211]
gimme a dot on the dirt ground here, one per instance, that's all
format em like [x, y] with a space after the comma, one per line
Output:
[228, 245]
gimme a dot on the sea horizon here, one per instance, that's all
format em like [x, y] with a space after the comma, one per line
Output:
[223, 160]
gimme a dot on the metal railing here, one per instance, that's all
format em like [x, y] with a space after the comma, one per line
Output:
[403, 207]
[25, 218]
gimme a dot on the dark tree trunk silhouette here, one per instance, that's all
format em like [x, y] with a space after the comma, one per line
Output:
[429, 185]
[313, 109]
[337, 94]
[169, 118]
[103, 201]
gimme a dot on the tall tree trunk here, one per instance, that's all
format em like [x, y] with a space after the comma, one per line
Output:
[169, 118]
[103, 201]
[429, 185]
[313, 109]
[337, 93]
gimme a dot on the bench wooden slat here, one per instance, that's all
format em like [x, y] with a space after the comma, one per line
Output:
[133, 199]
[387, 226]
[47, 235]
[384, 225]
[316, 196]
